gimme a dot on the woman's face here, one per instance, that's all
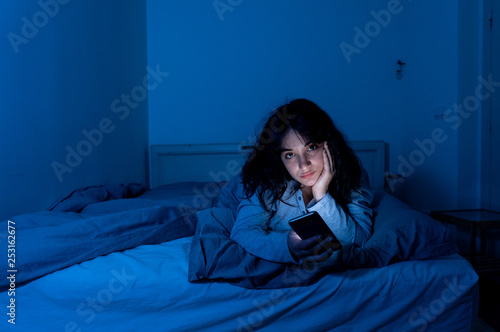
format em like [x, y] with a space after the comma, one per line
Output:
[303, 160]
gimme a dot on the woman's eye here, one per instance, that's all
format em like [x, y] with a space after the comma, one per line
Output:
[312, 147]
[288, 155]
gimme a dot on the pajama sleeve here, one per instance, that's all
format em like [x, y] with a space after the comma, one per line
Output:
[352, 227]
[250, 231]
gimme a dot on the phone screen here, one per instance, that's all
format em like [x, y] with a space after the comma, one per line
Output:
[311, 224]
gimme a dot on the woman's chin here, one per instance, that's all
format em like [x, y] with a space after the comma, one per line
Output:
[307, 182]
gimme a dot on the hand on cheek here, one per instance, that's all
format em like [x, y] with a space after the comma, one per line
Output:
[320, 188]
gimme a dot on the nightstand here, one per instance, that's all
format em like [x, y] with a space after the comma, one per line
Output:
[475, 220]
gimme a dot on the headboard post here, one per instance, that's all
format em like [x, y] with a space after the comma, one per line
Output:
[372, 156]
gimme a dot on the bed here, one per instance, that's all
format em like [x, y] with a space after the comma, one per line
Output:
[128, 258]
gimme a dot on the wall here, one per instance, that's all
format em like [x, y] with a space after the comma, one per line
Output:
[429, 147]
[231, 62]
[467, 122]
[64, 63]
[489, 119]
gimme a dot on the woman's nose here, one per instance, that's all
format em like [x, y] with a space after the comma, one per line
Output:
[303, 162]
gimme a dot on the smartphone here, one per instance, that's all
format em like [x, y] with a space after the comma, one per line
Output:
[311, 224]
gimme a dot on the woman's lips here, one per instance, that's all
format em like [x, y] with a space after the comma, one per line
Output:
[307, 175]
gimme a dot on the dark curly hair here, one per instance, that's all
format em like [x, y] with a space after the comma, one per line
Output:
[264, 172]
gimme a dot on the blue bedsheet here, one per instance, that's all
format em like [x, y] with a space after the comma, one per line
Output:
[403, 279]
[146, 289]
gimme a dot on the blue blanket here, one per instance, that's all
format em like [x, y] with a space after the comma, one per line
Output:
[49, 241]
[99, 220]
[400, 234]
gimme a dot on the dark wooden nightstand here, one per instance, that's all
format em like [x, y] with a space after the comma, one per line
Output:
[475, 220]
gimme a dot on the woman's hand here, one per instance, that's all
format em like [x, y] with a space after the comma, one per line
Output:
[313, 249]
[320, 188]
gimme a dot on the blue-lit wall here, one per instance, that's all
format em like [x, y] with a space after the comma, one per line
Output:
[231, 62]
[215, 68]
[64, 68]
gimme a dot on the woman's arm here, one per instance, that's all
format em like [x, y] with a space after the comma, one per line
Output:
[353, 227]
[250, 231]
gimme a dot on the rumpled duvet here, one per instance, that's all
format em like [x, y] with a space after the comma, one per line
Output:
[96, 221]
[400, 233]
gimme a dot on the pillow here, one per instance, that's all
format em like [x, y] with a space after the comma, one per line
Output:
[116, 205]
[199, 195]
[80, 198]
[184, 215]
[401, 233]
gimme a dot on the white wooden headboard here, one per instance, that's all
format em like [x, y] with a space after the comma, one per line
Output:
[219, 162]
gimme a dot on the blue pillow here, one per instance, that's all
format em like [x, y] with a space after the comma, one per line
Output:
[199, 195]
[401, 233]
[80, 198]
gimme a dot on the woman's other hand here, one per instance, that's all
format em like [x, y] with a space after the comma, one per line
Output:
[313, 249]
[320, 188]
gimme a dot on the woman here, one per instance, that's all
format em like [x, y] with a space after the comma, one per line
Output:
[301, 162]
